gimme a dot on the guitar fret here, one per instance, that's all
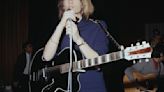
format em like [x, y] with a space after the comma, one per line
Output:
[121, 54]
[103, 59]
[108, 58]
[74, 65]
[78, 65]
[81, 64]
[112, 56]
[89, 62]
[117, 55]
[92, 61]
[100, 60]
[86, 63]
[95, 61]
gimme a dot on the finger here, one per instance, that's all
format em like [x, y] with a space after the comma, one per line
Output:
[70, 15]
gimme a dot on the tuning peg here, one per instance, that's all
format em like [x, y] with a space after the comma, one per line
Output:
[137, 43]
[146, 60]
[122, 47]
[134, 62]
[143, 42]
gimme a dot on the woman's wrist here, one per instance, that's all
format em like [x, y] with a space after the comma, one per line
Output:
[62, 24]
[80, 42]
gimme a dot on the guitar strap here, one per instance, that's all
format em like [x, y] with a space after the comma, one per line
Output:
[108, 34]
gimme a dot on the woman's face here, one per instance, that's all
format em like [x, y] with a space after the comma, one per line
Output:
[74, 5]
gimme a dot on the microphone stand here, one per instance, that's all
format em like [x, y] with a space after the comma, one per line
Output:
[69, 32]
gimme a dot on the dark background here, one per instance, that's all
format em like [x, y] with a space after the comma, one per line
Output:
[126, 19]
[35, 20]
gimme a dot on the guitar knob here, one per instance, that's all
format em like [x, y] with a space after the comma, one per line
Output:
[137, 43]
[144, 42]
[132, 45]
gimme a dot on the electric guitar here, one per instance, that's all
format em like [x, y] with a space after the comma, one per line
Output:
[59, 72]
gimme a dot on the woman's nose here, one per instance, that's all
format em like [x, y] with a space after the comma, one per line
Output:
[70, 4]
[70, 1]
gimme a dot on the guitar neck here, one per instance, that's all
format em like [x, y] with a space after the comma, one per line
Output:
[130, 53]
[86, 63]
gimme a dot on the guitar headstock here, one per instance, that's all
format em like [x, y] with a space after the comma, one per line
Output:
[137, 52]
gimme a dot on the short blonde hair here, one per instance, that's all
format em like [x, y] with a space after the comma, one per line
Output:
[87, 9]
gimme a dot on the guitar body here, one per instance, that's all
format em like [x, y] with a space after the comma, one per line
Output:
[59, 83]
[54, 80]
[54, 77]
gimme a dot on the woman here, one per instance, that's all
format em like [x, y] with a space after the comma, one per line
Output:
[87, 35]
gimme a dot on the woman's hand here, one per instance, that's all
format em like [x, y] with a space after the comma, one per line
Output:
[67, 15]
[71, 29]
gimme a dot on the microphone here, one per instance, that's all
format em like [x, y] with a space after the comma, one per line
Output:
[69, 19]
[69, 22]
[69, 26]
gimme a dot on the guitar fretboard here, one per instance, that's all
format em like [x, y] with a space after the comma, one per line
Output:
[86, 63]
[128, 53]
